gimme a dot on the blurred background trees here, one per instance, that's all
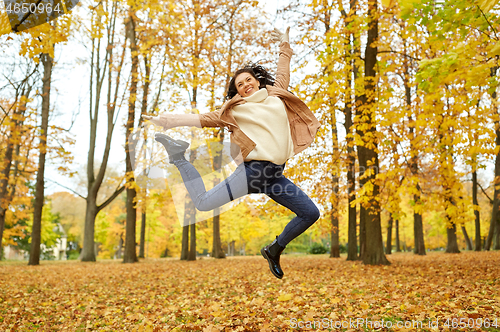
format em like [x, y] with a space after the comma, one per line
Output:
[407, 157]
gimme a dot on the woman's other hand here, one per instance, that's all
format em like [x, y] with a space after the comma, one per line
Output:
[278, 36]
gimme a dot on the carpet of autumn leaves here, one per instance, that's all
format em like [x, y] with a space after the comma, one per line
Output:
[240, 294]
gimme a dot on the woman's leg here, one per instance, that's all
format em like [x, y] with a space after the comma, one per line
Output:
[232, 188]
[286, 193]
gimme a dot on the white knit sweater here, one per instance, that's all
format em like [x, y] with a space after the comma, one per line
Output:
[263, 119]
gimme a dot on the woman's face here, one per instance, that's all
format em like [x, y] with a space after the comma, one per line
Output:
[246, 84]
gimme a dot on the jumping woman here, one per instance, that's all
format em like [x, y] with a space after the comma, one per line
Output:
[269, 125]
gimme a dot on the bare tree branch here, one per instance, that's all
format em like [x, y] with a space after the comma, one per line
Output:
[484, 192]
[117, 192]
[66, 188]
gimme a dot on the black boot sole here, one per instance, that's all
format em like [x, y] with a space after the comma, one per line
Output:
[171, 141]
[263, 252]
[171, 145]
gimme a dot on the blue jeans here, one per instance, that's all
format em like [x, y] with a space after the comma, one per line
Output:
[253, 177]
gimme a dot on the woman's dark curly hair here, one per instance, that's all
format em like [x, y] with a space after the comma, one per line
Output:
[257, 71]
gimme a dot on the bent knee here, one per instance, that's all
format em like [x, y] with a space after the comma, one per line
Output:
[202, 205]
[314, 214]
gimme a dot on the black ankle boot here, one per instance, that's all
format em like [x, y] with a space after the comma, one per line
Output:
[272, 253]
[175, 148]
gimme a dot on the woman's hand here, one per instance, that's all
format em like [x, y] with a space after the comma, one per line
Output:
[153, 119]
[278, 36]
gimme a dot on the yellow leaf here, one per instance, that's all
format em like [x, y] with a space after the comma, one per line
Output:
[285, 297]
[5, 26]
[495, 50]
[364, 306]
[217, 313]
[487, 5]
[258, 301]
[386, 3]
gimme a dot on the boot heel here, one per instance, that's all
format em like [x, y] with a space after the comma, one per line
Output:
[274, 261]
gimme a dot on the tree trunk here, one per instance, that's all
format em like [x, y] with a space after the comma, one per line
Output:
[88, 253]
[418, 231]
[231, 248]
[352, 250]
[144, 109]
[185, 239]
[185, 228]
[120, 247]
[217, 251]
[94, 181]
[362, 223]
[334, 213]
[398, 243]
[496, 194]
[497, 235]
[494, 214]
[418, 228]
[468, 242]
[476, 212]
[2, 225]
[451, 232]
[452, 245]
[448, 179]
[143, 234]
[36, 232]
[334, 218]
[351, 75]
[192, 243]
[130, 255]
[373, 252]
[388, 247]
[190, 220]
[334, 235]
[189, 205]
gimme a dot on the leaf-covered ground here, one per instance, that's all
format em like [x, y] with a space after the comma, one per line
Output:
[240, 294]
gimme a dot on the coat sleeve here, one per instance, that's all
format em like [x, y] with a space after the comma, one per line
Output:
[211, 119]
[283, 70]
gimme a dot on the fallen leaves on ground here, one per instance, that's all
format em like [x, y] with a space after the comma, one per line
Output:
[240, 294]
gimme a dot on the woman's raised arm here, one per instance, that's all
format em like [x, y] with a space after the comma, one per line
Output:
[283, 70]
